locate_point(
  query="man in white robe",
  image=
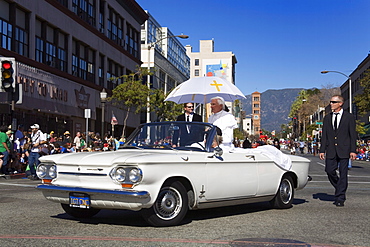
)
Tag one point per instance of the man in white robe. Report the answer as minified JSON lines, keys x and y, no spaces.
{"x":224,"y":120}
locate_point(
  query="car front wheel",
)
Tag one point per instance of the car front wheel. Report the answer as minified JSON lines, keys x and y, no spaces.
{"x":285,"y":194}
{"x":170,"y":207}
{"x":80,"y":212}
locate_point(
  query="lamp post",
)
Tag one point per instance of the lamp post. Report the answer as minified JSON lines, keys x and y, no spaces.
{"x":349,"y":86}
{"x":150,"y":46}
{"x":103,"y":98}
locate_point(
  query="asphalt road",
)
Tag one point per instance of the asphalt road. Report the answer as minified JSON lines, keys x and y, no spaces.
{"x":27,"y":219}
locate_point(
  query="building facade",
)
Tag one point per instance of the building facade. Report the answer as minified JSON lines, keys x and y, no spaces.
{"x":207,"y":62}
{"x":356,"y":89}
{"x":66,"y":52}
{"x":164,"y":55}
{"x":256,"y":112}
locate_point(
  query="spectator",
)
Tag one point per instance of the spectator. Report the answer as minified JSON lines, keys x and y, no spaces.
{"x":67,"y":138}
{"x":77,"y":141}
{"x":4,"y":149}
{"x":37,"y":140}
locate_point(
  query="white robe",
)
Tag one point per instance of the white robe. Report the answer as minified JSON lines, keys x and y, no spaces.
{"x":227,"y":123}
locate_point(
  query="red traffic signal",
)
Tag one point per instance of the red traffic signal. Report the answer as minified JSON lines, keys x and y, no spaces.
{"x":7,"y":74}
{"x":6,"y":65}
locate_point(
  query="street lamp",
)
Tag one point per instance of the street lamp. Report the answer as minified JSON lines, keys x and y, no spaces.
{"x":150,"y":46}
{"x":103,"y":98}
{"x":349,"y":86}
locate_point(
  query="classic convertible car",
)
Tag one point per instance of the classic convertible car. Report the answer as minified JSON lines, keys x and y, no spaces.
{"x":165,"y":169}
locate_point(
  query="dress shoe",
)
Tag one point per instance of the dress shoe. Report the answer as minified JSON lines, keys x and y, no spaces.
{"x":339,"y":203}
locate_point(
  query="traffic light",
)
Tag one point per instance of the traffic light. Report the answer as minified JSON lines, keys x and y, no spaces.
{"x":8,"y":81}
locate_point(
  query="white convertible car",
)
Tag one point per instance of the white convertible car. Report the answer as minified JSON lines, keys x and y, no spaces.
{"x":164,"y":169}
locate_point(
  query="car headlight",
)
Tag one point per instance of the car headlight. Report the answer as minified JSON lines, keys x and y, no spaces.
{"x":135,"y":175}
{"x":126,"y":175}
{"x":53,"y":171}
{"x":41,"y":171}
{"x":46,"y":171}
{"x":118,"y":174}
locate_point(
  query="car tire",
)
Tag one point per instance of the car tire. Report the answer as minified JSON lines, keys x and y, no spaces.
{"x":285,"y":194}
{"x":80,"y":212}
{"x":170,"y":206}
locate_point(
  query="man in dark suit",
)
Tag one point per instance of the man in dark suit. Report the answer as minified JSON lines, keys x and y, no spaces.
{"x":189,"y":115}
{"x":186,"y":133}
{"x":339,"y":143}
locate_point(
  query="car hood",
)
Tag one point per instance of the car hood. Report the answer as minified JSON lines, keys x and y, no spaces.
{"x":120,"y":156}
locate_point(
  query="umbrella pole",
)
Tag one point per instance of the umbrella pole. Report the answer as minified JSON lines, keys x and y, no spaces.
{"x":205,"y":110}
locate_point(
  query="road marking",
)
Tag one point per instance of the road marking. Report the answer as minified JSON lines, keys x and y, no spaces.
{"x":352,"y":176}
{"x":350,"y":182}
{"x":165,"y":240}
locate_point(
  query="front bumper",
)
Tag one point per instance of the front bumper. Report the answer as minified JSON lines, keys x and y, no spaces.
{"x":109,"y":199}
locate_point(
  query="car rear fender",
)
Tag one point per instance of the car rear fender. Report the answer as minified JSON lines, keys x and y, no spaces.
{"x":293,"y":176}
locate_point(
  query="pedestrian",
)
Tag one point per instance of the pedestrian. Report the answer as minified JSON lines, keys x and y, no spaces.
{"x":77,"y":141}
{"x":4,"y":149}
{"x":37,"y":140}
{"x":67,"y":138}
{"x":338,"y":145}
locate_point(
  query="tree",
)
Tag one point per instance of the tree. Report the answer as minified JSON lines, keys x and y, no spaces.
{"x":165,"y":110}
{"x":131,"y":95}
{"x":363,"y":100}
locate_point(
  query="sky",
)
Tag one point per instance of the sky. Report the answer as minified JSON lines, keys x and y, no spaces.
{"x":278,"y":43}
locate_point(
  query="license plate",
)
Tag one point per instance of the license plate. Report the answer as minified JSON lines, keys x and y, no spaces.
{"x":79,"y":200}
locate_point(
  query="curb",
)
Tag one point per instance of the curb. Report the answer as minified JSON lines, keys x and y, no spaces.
{"x":13,"y":176}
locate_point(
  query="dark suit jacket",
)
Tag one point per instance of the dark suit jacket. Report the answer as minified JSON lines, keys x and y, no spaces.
{"x":341,"y":142}
{"x":196,"y":117}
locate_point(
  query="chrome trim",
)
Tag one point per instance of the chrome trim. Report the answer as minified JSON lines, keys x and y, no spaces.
{"x":84,"y":174}
{"x":138,"y":194}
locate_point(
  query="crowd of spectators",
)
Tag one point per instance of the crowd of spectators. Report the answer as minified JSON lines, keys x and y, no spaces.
{"x":15,"y":160}
{"x":301,"y":147}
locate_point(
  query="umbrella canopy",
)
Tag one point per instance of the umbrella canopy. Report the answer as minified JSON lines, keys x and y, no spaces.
{"x":202,"y":89}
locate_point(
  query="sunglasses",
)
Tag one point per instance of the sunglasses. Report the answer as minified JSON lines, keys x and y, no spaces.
{"x":190,"y":107}
{"x":333,"y":102}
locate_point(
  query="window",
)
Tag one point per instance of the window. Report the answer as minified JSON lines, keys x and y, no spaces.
{"x":14,"y":31}
{"x":256,"y":98}
{"x":101,"y":70}
{"x":196,"y":72}
{"x":256,"y":105}
{"x":50,"y":47}
{"x":114,"y":74}
{"x":256,"y":112}
{"x":83,"y":61}
{"x":132,"y":41}
{"x":115,"y":27}
{"x":196,"y":62}
{"x":85,"y":9}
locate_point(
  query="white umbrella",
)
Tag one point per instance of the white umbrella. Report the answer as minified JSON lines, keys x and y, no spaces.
{"x":202,"y":89}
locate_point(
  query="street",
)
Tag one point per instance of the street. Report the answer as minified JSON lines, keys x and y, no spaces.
{"x":28,"y":219}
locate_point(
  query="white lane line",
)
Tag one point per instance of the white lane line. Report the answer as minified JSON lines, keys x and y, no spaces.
{"x":350,"y":182}
{"x":321,"y":164}
{"x":352,"y":176}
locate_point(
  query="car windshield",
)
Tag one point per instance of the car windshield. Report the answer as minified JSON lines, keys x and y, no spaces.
{"x":193,"y":136}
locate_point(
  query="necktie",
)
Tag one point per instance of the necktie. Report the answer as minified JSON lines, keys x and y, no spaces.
{"x":187,"y":118}
{"x":336,"y":121}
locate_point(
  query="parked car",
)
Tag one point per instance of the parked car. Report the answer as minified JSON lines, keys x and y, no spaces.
{"x":165,"y":169}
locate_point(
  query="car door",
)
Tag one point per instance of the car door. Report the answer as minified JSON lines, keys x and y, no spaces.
{"x":234,"y":175}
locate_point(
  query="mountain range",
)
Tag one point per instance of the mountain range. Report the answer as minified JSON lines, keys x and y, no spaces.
{"x":275,"y":107}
